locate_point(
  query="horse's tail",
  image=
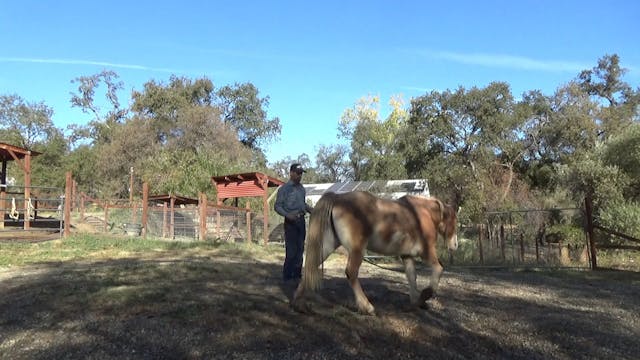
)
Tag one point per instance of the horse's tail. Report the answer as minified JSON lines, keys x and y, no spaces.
{"x":319,"y":223}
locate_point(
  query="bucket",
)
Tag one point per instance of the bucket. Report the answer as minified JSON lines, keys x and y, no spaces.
{"x":133,"y":229}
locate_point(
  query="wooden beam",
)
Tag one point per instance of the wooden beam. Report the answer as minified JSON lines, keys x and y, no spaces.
{"x":145,"y":208}
{"x":27,"y":191}
{"x":67,"y":205}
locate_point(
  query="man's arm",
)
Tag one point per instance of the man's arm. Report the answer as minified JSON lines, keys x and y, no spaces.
{"x":279,"y":205}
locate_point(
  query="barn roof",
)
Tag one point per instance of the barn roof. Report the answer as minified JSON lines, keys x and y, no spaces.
{"x":244,"y":184}
{"x":178,"y":200}
{"x":7,"y":152}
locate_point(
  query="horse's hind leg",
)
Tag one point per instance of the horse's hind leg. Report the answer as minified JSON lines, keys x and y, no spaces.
{"x":410,"y":271}
{"x":353,"y":266}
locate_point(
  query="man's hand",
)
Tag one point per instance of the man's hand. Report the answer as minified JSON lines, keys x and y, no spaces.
{"x":293,"y":216}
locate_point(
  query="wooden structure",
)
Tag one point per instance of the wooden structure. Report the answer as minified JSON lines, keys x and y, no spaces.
{"x":22,"y":157}
{"x":247,"y":185}
{"x":169,"y":203}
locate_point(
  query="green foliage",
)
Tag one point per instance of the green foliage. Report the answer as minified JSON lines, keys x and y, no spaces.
{"x":478,"y":147}
{"x":161,"y":105}
{"x":49,"y":168}
{"x":567,"y":233}
{"x":456,"y":137}
{"x":589,"y":175}
{"x":332,"y":163}
{"x":99,"y":130}
{"x":23,"y":123}
{"x":623,"y":152}
{"x":621,"y":216}
{"x":246,"y":111}
{"x":374,"y":142}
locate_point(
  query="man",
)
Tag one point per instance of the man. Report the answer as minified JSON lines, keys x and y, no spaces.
{"x":290,"y":203}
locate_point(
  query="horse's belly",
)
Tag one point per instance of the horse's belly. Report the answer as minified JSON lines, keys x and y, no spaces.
{"x":397,"y":243}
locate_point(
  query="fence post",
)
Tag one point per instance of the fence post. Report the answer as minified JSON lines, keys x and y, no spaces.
{"x":265,"y":218}
{"x":145,"y":208}
{"x":2,"y":204}
{"x":172,"y":225}
{"x":165,"y":214}
{"x":67,"y":205}
{"x":82,"y":200}
{"x":502,"y":243}
{"x":27,"y":191}
{"x":248,"y":214}
{"x":589,"y":213}
{"x":202,"y":207}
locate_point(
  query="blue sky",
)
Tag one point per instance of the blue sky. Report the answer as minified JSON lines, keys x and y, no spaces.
{"x":313,"y":59}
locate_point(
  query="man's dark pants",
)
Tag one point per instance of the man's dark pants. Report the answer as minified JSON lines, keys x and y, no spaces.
{"x":294,"y":233}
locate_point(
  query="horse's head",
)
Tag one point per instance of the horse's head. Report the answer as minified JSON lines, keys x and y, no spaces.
{"x":448,"y":227}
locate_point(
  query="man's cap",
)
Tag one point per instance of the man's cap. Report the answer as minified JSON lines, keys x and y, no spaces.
{"x":297,"y":168}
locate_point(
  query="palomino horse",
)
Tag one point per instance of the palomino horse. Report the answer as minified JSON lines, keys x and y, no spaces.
{"x":407,"y":227}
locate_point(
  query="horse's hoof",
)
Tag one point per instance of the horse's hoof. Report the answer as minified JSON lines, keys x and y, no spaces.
{"x":425,"y":295}
{"x":370,"y":311}
{"x":301,"y":307}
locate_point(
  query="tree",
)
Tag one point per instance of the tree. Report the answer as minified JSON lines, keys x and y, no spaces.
{"x":332,"y":163}
{"x":243,"y":109}
{"x":374,"y":142}
{"x":29,"y":125}
{"x":281,"y":168}
{"x":454,"y":138}
{"x":102,"y":125}
{"x":23,"y":123}
{"x":621,"y":108}
{"x":623,"y":152}
{"x":161,"y":104}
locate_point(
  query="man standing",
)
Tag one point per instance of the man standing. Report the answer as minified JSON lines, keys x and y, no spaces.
{"x":290,"y":203}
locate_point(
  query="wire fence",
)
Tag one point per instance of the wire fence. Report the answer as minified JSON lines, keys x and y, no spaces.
{"x":35,"y":209}
{"x":526,"y":238}
{"x":182,"y":222}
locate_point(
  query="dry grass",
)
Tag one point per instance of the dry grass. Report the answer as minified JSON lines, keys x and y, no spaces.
{"x":227,"y":301}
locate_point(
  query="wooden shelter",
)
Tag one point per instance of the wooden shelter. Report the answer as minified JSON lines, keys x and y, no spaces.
{"x":169,"y":203}
{"x":22,"y":157}
{"x":247,"y":185}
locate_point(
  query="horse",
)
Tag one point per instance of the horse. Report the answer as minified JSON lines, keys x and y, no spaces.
{"x":407,"y":227}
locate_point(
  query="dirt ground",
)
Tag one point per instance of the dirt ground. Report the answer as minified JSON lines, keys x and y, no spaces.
{"x":212,"y":305}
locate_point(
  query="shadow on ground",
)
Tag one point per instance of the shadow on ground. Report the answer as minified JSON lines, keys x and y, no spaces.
{"x":218,"y":306}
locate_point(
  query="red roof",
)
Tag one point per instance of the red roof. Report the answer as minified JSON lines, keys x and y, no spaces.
{"x":7,"y":151}
{"x":244,"y":185}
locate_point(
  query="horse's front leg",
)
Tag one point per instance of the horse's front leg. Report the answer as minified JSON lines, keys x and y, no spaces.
{"x":410,"y":271}
{"x":353,"y":266}
{"x":431,"y":259}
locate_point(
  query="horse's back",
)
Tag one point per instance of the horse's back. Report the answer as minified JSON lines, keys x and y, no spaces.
{"x":381,"y":225}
